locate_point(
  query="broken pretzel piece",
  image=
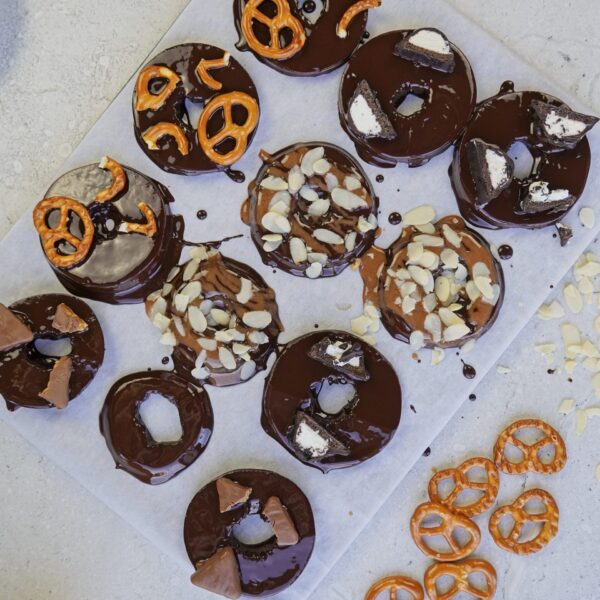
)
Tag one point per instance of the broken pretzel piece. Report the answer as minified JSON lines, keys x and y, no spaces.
{"x":118,"y":183}
{"x":145,"y":99}
{"x":205,"y":65}
{"x":352,"y":12}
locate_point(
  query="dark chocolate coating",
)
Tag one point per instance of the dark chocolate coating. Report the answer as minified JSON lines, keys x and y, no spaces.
{"x":449,"y":101}
{"x":265,"y":568}
{"x":121,"y":268}
{"x":503,"y":120}
{"x":365,"y":426}
{"x":130,"y":442}
{"x":184,"y":60}
{"x":24,"y":371}
{"x":323,"y":50}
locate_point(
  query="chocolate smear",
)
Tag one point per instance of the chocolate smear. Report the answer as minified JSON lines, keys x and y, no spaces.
{"x":313,"y":440}
{"x":219,"y":574}
{"x":67,"y":321}
{"x":57,"y":390}
{"x":13,"y":332}
{"x":368,"y":117}
{"x":427,"y":47}
{"x":492,"y":169}
{"x":540,"y":198}
{"x":343,"y":356}
{"x":565,"y":233}
{"x":281,"y":522}
{"x":231,"y":494}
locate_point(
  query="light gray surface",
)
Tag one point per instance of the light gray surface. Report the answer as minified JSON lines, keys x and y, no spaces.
{"x":47,"y":514}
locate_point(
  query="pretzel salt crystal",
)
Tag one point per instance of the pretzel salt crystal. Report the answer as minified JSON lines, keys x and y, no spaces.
{"x":205,"y":65}
{"x":156,"y":132}
{"x":461,"y":572}
{"x":145,"y":100}
{"x":353,"y":11}
{"x":393,"y":584}
{"x":119,"y":180}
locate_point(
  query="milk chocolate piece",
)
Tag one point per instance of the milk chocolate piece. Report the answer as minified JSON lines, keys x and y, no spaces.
{"x":13,"y":332}
{"x":540,"y":198}
{"x":344,"y":356}
{"x":219,"y":574}
{"x":313,"y":440}
{"x":66,"y":321}
{"x":491,"y":168}
{"x":559,"y":125}
{"x":376,"y":122}
{"x":231,"y":494}
{"x":281,"y":522}
{"x":565,"y":233}
{"x":427,"y":47}
{"x":57,"y":390}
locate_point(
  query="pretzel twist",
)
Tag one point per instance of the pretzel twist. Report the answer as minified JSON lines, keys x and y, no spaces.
{"x":353,"y":11}
{"x":459,"y":476}
{"x":153,"y":134}
{"x":145,"y":100}
{"x":205,"y":65}
{"x":393,"y":584}
{"x":461,"y":572}
{"x":230,"y":129}
{"x":549,"y":519}
{"x":149,"y":228}
{"x":531,"y":461}
{"x":284,"y":19}
{"x":52,"y":236}
{"x":445,"y":529}
{"x":119,"y":180}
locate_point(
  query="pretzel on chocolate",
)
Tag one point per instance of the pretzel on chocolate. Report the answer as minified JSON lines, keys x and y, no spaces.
{"x":52,"y":236}
{"x":284,"y":19}
{"x":393,"y":584}
{"x":118,"y":183}
{"x":205,"y":65}
{"x":146,"y":100}
{"x":149,"y":228}
{"x":460,"y":478}
{"x":353,"y":11}
{"x":531,"y":461}
{"x":449,"y":522}
{"x":461,"y":572}
{"x":520,"y":516}
{"x":156,"y":132}
{"x":231,"y":129}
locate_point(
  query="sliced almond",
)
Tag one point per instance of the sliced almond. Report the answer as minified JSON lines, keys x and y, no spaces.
{"x":360,"y":325}
{"x":554,"y":310}
{"x":437,"y":356}
{"x":319,"y":207}
{"x":419,"y":215}
{"x":348,"y":200}
{"x":350,"y":241}
{"x":220,"y":316}
{"x":352,"y":183}
{"x":191,"y":268}
{"x":451,"y":236}
{"x":417,"y":340}
{"x":296,"y":179}
{"x":587,"y":217}
{"x":328,"y":237}
{"x":456,"y":332}
{"x":257,"y":319}
{"x":309,"y":160}
{"x":314,"y":271}
{"x":566,"y":406}
{"x":192,"y":290}
{"x":274,"y":183}
{"x":332,"y":182}
{"x":573,"y":298}
{"x":168,"y":339}
{"x":442,"y":289}
{"x":227,"y":358}
{"x":318,"y":257}
{"x":365,"y":225}
{"x":196,"y":319}
{"x":308,"y":194}
{"x":161,"y":322}
{"x":433,"y":241}
{"x":245,"y":293}
{"x":322,"y":166}
{"x":275,"y":223}
{"x":248,"y":369}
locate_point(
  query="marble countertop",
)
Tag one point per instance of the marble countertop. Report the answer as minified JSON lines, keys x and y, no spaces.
{"x":61,"y":63}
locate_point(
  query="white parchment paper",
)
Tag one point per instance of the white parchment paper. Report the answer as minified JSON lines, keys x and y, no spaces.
{"x":291,"y":110}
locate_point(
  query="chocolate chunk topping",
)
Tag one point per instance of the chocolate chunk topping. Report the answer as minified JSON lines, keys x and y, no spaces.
{"x":539,"y":198}
{"x":219,"y":574}
{"x":368,"y":118}
{"x":13,"y":332}
{"x":559,"y":125}
{"x":231,"y":494}
{"x":565,"y":233}
{"x":427,"y":47}
{"x":281,"y":522}
{"x":491,"y":168}
{"x":343,"y":356}
{"x":313,"y":440}
{"x":66,"y":321}
{"x":57,"y":390}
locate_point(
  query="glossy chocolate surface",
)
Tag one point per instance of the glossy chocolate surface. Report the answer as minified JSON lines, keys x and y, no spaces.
{"x":128,"y":439}
{"x":303,"y":225}
{"x":24,"y":371}
{"x":364,"y":426}
{"x":121,"y":267}
{"x":449,"y":101}
{"x":265,"y":568}
{"x":503,"y":120}
{"x":184,"y":60}
{"x":323,"y":50}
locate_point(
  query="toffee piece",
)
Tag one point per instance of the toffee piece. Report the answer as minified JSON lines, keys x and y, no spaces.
{"x":29,"y":377}
{"x":260,"y":569}
{"x":292,"y":415}
{"x":382,"y":86}
{"x":312,"y":210}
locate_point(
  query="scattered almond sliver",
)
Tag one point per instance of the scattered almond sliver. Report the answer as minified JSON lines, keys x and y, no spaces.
{"x":554,"y":310}
{"x":566,"y":406}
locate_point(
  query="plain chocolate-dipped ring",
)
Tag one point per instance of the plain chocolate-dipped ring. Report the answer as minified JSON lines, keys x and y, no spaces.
{"x":503,"y":120}
{"x":448,"y":100}
{"x":213,"y":79}
{"x":311,"y":223}
{"x":264,"y":569}
{"x":128,"y":439}
{"x":126,"y":261}
{"x":291,"y":407}
{"x":219,"y":316}
{"x":25,"y":371}
{"x":323,"y":49}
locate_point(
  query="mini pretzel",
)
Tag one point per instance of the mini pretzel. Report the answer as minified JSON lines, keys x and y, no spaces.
{"x":118,"y":182}
{"x":230,"y":129}
{"x":450,"y":522}
{"x":459,"y":476}
{"x":156,"y":132}
{"x":284,"y":19}
{"x":149,"y":228}
{"x":516,"y":510}
{"x":52,"y":236}
{"x":531,"y":461}
{"x":393,"y":584}
{"x":353,"y":11}
{"x":205,"y":65}
{"x":145,"y":100}
{"x":461,"y":573}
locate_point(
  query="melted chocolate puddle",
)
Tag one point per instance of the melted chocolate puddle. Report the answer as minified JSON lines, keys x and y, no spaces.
{"x":468,"y":370}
